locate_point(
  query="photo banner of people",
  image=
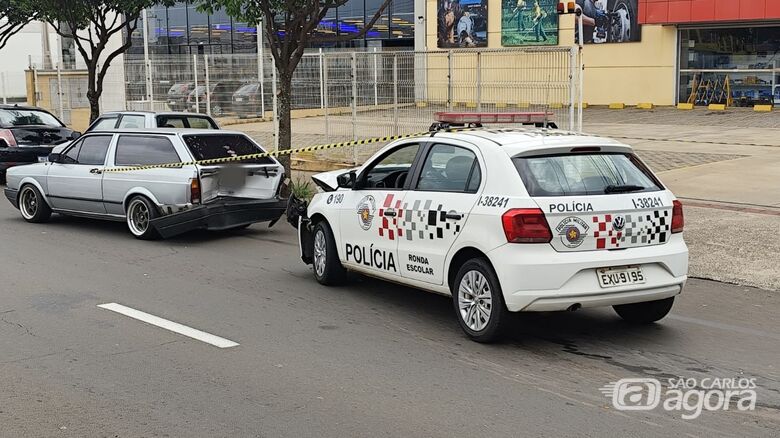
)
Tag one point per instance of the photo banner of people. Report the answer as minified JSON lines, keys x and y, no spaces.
{"x":609,"y":21}
{"x":462,"y":23}
{"x":529,"y":22}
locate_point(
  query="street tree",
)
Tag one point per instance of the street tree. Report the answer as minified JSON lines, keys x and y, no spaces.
{"x":91,"y":24}
{"x":290,"y":26}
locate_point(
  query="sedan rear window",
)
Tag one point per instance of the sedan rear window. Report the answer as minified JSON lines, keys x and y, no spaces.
{"x":207,"y":147}
{"x":585,"y":174}
{"x":26,"y":117}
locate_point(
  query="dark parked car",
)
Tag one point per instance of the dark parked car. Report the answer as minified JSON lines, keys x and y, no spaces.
{"x":177,"y":95}
{"x":28,"y":134}
{"x":220,"y":95}
{"x":248,"y":99}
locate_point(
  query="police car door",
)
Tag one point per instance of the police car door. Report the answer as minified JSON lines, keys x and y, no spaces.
{"x":368,"y":214}
{"x":436,"y":208}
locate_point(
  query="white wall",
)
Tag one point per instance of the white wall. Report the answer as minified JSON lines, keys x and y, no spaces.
{"x":15,"y":57}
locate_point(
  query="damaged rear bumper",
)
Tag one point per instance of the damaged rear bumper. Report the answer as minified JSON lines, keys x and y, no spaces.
{"x":221,"y":214}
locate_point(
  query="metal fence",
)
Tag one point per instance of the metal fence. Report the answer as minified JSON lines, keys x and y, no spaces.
{"x":337,"y":95}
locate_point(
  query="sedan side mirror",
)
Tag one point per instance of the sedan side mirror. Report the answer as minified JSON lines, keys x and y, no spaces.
{"x":75,"y":135}
{"x":54,"y":157}
{"x":346,"y":180}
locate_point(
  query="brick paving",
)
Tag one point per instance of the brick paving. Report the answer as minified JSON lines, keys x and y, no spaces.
{"x":661,"y":161}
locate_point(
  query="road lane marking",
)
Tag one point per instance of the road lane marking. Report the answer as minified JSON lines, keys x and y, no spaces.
{"x":169,"y":325}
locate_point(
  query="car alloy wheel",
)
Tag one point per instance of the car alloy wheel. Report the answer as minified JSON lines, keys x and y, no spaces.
{"x":320,"y":252}
{"x":475,"y":300}
{"x":28,"y":203}
{"x":138,"y":217}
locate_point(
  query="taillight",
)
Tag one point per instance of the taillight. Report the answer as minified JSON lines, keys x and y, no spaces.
{"x":678,"y":220}
{"x":195,"y":191}
{"x":8,"y":136}
{"x":526,"y":225}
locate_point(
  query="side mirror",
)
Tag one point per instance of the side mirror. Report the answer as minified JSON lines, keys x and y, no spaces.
{"x":346,"y":180}
{"x":54,"y":157}
{"x":75,"y":135}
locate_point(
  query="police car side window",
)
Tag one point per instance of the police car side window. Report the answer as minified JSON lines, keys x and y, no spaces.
{"x":449,"y":168}
{"x":391,"y":171}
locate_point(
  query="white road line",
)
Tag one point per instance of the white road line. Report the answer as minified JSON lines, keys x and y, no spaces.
{"x":170,"y":325}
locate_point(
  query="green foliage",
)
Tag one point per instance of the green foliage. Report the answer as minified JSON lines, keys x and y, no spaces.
{"x":302,"y":189}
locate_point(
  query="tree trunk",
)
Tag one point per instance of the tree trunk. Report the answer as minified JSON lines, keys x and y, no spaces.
{"x":284,"y":107}
{"x":93,"y":94}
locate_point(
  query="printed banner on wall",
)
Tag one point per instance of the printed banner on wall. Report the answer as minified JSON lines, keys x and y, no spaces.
{"x":462,"y":23}
{"x":529,"y":22}
{"x":609,"y":21}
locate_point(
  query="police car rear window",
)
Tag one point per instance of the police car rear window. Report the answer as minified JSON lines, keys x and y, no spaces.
{"x":585,"y":174}
{"x":207,"y":147}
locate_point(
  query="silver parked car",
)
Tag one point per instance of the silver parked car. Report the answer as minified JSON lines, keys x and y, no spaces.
{"x":157,"y":201}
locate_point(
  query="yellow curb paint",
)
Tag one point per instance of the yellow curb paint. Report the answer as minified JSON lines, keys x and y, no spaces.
{"x":523,"y":105}
{"x":617,"y":105}
{"x":645,"y":105}
{"x":685,"y":106}
{"x":471,"y":105}
{"x":716,"y":107}
{"x":421,"y":104}
{"x":762,"y":108}
{"x":500,"y":104}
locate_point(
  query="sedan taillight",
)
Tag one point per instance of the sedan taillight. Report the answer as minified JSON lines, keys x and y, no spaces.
{"x":526,"y":225}
{"x":195,"y":191}
{"x":7,"y":136}
{"x":678,"y":219}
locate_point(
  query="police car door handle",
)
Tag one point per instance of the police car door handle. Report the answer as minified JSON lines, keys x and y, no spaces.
{"x":95,"y":171}
{"x":454,"y":215}
{"x":390,"y":212}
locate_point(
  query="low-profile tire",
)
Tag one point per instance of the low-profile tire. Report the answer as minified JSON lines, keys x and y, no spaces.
{"x":645,"y":312}
{"x":32,"y":205}
{"x":139,"y":214}
{"x":479,"y":301}
{"x":328,"y":269}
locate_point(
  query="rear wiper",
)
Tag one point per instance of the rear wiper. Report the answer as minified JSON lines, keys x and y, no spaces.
{"x":623,"y":189}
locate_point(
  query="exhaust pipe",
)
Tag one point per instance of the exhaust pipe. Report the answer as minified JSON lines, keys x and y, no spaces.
{"x":574,"y":307}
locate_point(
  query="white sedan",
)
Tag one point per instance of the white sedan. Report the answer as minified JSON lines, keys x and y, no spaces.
{"x":504,"y":221}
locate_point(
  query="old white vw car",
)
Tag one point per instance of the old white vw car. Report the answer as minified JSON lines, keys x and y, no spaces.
{"x":93,"y":177}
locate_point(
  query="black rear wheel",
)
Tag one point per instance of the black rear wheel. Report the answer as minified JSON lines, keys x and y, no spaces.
{"x":646,"y":312}
{"x":32,"y":205}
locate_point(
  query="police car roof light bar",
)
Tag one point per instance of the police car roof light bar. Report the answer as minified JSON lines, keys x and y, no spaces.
{"x":537,"y":118}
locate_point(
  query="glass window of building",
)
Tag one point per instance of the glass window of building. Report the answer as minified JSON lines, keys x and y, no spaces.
{"x":742,"y":64}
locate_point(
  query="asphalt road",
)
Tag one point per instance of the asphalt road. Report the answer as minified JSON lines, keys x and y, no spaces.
{"x":367,"y":359}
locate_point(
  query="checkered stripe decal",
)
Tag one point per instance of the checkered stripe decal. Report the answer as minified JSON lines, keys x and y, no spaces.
{"x":419,"y":222}
{"x":649,"y":228}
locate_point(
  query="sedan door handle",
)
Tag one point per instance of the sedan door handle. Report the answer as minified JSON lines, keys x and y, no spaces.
{"x":454,"y":215}
{"x":95,"y":171}
{"x":390,"y":212}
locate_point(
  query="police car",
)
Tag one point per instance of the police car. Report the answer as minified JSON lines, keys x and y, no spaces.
{"x":504,"y":220}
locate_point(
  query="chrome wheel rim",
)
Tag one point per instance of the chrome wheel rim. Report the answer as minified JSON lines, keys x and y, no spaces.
{"x":475,"y":300}
{"x":320,"y":252}
{"x":28,"y":203}
{"x":138,"y":217}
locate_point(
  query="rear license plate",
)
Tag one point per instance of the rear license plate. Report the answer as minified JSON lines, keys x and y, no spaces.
{"x":43,"y":159}
{"x":613,"y":277}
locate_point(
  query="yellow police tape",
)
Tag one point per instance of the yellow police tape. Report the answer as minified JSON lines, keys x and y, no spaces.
{"x":318,"y":147}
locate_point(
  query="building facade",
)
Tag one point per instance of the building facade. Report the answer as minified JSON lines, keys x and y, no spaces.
{"x":656,"y":51}
{"x":182,"y":29}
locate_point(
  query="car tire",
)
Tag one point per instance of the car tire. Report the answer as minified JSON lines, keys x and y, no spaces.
{"x":328,"y":269}
{"x":139,"y":214}
{"x":482,"y":316}
{"x":32,"y":205}
{"x":645,"y":312}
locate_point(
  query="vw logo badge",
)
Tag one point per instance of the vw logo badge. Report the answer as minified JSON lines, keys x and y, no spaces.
{"x":618,"y":223}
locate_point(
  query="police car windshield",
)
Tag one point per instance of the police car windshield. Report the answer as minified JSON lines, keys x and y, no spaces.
{"x":585,"y":174}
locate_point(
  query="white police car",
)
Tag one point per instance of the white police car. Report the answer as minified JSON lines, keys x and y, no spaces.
{"x":504,"y":220}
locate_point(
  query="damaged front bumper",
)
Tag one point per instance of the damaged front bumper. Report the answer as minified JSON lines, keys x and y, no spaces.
{"x":220,"y":214}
